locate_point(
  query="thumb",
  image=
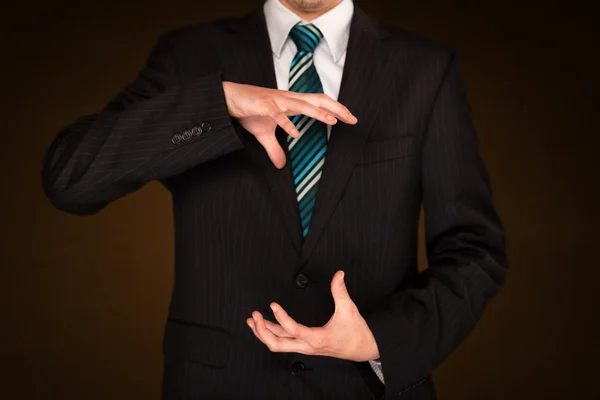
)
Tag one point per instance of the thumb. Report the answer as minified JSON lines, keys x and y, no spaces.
{"x":274,"y":150}
{"x":338,"y":289}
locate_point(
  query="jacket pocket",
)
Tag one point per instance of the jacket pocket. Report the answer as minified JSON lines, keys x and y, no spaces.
{"x":204,"y":344}
{"x":389,"y":149}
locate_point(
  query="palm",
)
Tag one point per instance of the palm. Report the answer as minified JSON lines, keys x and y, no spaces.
{"x":346,"y":335}
{"x":259,"y":126}
{"x":343,"y":325}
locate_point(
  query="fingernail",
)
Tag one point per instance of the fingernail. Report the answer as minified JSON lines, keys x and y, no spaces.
{"x":249,"y":324}
{"x":353,"y":118}
{"x":273,"y":308}
{"x":255,"y":319}
{"x":330,"y":118}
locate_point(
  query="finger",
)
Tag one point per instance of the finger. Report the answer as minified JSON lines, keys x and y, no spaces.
{"x":252,"y":326}
{"x":330,"y":105}
{"x":265,"y":335}
{"x":338,"y":286}
{"x":335,"y":107}
{"x":340,"y":294}
{"x":279,"y":344}
{"x":284,"y":122}
{"x":295,"y":329}
{"x":274,"y":150}
{"x":297,"y":107}
{"x":280,"y":118}
{"x":345,"y":119}
{"x":277,"y":329}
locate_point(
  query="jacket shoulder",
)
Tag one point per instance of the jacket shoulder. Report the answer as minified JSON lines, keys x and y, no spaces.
{"x":195,"y":47}
{"x":419,"y":43}
{"x":199,"y":33}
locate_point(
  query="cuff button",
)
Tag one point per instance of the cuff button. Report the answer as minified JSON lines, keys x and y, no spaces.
{"x":196,"y":131}
{"x":187,"y":135}
{"x":176,"y":139}
{"x":206,"y":127}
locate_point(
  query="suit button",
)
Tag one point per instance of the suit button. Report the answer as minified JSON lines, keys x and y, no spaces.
{"x":196,"y":131}
{"x":176,"y":139}
{"x":206,"y":127}
{"x":301,"y":280}
{"x":187,"y":135}
{"x":298,"y":368}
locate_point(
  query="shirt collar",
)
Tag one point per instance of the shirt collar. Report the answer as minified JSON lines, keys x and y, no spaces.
{"x":334,"y":24}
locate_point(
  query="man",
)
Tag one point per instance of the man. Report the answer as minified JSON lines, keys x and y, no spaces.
{"x":299,"y":143}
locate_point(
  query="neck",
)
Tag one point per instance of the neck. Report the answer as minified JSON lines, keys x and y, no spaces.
{"x":309,"y":15}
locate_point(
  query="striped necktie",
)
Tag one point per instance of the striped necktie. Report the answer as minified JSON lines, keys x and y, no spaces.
{"x":307,"y":152}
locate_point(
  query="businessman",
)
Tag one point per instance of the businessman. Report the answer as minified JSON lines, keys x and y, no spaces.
{"x":299,"y":143}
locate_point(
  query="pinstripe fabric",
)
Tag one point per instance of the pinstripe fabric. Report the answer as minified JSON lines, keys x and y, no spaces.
{"x":307,"y":152}
{"x":238,"y":242}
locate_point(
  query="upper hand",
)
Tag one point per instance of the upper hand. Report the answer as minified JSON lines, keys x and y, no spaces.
{"x":260,"y":110}
{"x":346,"y":335}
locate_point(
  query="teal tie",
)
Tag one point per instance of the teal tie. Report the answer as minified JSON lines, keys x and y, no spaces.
{"x":307,"y":152}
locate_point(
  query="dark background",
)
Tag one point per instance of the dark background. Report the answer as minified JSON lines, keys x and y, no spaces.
{"x":84,"y":299}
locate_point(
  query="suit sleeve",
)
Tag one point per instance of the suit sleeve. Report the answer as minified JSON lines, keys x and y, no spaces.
{"x":418,"y":326}
{"x":156,"y":127}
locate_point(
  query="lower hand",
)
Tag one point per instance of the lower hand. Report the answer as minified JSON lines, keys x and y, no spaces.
{"x":260,"y":110}
{"x":346,"y":335}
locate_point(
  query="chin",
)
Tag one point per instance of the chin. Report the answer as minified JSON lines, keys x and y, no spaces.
{"x":310,"y":5}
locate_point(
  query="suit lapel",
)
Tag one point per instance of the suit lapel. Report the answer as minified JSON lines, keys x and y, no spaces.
{"x":364,"y":80}
{"x":254,"y":48}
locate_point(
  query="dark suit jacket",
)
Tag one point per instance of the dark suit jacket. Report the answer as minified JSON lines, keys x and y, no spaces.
{"x":238,"y":240}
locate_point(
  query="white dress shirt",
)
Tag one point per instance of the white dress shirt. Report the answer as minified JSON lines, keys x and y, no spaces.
{"x":329,"y":55}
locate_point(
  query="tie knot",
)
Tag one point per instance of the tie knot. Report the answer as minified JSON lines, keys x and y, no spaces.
{"x":306,"y":37}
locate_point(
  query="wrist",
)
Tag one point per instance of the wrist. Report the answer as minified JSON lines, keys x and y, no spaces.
{"x":375,"y":354}
{"x":228,"y":88}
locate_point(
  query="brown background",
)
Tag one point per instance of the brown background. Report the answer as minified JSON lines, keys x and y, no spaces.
{"x":84,"y":299}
